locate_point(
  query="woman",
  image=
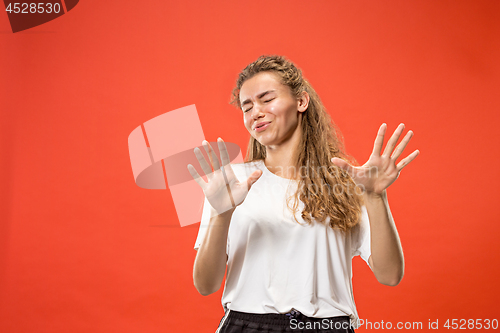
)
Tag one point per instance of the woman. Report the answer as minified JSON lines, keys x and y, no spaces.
{"x":289,"y":266}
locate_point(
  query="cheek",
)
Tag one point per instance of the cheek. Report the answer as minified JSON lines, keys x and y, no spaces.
{"x":279,"y":109}
{"x":246,"y":121}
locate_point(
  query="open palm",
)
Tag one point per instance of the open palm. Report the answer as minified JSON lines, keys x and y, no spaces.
{"x":381,"y":170}
{"x":223,"y":190}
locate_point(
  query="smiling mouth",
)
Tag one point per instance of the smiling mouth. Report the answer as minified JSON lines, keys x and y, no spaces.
{"x":265,"y":124}
{"x":262,"y":127}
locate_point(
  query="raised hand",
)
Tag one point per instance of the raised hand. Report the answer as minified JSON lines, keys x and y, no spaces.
{"x":223,"y":190}
{"x":381,"y":169}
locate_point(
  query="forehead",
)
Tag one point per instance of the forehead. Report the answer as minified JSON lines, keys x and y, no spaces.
{"x":259,"y":83}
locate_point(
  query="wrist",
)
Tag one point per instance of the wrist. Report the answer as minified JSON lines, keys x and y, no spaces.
{"x":227,"y":213}
{"x":373,"y":196}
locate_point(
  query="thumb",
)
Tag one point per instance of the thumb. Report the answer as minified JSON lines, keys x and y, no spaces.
{"x":343,"y":165}
{"x":253,"y":178}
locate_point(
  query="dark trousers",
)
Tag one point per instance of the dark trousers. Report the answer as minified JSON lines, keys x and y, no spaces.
{"x":294,"y":321}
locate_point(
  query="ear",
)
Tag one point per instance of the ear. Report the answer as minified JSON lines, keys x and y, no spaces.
{"x":303,"y":102}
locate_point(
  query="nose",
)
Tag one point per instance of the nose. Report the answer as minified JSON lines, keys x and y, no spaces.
{"x":257,"y":112}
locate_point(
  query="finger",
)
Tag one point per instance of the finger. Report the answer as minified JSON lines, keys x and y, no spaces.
{"x":203,"y":162}
{"x":205,"y":146}
{"x":405,"y":161}
{"x":343,"y":165}
{"x":227,"y":186}
{"x":402,"y":145}
{"x":379,"y":140}
{"x":393,"y":140}
{"x":196,"y":176}
{"x":224,"y":156}
{"x":214,"y":161}
{"x":253,"y":178}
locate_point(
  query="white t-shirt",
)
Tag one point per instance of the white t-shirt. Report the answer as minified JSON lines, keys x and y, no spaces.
{"x":275,"y":264}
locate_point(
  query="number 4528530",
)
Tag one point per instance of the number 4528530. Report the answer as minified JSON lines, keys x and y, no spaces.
{"x":463,"y":324}
{"x":32,"y":8}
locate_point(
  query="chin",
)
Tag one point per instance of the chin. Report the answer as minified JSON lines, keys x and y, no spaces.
{"x":265,"y":141}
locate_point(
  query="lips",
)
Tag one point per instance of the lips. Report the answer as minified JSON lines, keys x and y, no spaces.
{"x":261,"y":124}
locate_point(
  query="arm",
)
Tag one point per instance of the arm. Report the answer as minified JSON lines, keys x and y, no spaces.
{"x":386,"y":260}
{"x":210,"y":263}
{"x":224,"y":193}
{"x":374,"y":177}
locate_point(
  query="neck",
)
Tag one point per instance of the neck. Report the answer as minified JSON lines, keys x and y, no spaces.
{"x":281,"y":159}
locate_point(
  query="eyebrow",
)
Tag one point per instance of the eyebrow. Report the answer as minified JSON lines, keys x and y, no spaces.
{"x":258,"y":96}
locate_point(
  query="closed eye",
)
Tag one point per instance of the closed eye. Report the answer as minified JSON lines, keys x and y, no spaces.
{"x":245,"y":111}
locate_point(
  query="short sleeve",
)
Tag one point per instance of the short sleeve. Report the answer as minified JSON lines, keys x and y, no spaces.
{"x":361,"y":237}
{"x":205,"y":221}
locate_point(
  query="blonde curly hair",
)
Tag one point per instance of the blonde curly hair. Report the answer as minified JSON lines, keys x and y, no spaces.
{"x":325,"y":191}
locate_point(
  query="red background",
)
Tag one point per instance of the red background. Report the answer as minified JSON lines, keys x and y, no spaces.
{"x":83,"y":249}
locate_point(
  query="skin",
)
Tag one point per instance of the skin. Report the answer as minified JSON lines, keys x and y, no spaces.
{"x":375,"y":176}
{"x":281,"y":138}
{"x":283,"y":110}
